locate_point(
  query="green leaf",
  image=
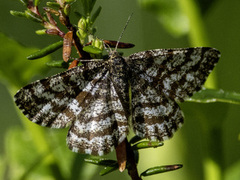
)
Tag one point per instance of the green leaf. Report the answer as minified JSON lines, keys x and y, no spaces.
{"x":18,"y":13}
{"x":110,"y":165}
{"x":69,"y":1}
{"x":212,"y":95}
{"x":109,"y":169}
{"x":53,"y":4}
{"x":32,"y":16}
{"x":92,"y":49}
{"x":96,"y":14}
{"x":146,"y":144}
{"x":58,"y":64}
{"x":88,"y":6}
{"x":135,"y":139}
{"x":160,"y":169}
{"x":46,"y":51}
{"x":101,"y":161}
{"x":78,"y":14}
{"x":24,"y":2}
{"x":67,"y":9}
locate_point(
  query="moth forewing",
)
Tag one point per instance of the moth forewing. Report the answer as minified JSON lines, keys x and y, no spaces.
{"x":94,"y":98}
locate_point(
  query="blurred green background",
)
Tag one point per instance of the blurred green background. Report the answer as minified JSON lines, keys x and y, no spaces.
{"x":208,"y":145}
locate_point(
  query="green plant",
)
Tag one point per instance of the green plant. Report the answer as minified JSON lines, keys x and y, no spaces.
{"x":83,"y":32}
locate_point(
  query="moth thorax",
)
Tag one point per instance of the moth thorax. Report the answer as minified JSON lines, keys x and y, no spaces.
{"x":117,"y":65}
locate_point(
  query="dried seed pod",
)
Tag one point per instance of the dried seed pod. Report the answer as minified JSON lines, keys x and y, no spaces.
{"x":67,"y":45}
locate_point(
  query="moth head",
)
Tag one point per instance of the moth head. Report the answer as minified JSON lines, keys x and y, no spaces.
{"x":113,"y":54}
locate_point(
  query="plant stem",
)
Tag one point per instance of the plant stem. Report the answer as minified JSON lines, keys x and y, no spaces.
{"x":197,"y":32}
{"x":131,"y":166}
{"x":198,"y":37}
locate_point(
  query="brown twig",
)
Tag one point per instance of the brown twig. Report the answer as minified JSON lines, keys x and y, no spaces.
{"x":76,"y":42}
{"x":125,"y":154}
{"x":54,"y":30}
{"x":66,"y":21}
{"x":131,"y":163}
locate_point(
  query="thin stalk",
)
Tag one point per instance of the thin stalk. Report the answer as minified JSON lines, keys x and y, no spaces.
{"x":197,"y":32}
{"x":198,"y":37}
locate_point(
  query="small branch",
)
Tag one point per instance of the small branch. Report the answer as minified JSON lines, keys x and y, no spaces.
{"x":82,"y":54}
{"x":66,"y":21}
{"x":131,"y":164}
{"x":125,"y":154}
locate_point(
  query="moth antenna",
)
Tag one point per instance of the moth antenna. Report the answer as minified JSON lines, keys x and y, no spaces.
{"x":107,"y":47}
{"x":129,"y":17}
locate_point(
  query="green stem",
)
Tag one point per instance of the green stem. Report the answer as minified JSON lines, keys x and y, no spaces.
{"x":197,"y":32}
{"x":198,"y":37}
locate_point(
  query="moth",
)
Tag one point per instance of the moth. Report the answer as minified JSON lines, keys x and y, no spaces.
{"x":101,"y":100}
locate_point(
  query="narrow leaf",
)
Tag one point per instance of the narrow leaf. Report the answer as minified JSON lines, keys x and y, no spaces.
{"x":45,"y":51}
{"x":32,"y":16}
{"x":88,"y":6}
{"x":160,"y":169}
{"x":18,"y":13}
{"x":101,"y":161}
{"x":67,"y":9}
{"x":58,"y":64}
{"x":69,"y":1}
{"x":212,"y":95}
{"x":96,"y":14}
{"x":135,"y":139}
{"x":24,"y":2}
{"x":92,"y":49}
{"x":108,"y":169}
{"x":53,"y":4}
{"x":146,"y":144}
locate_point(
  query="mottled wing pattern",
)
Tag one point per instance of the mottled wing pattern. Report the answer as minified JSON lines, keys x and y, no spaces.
{"x":155,"y":116}
{"x":52,"y":101}
{"x":178,"y":73}
{"x":102,"y":124}
{"x":160,"y":78}
{"x":94,"y":97}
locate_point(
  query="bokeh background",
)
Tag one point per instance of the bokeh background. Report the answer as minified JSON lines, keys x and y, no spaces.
{"x":208,"y":145}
